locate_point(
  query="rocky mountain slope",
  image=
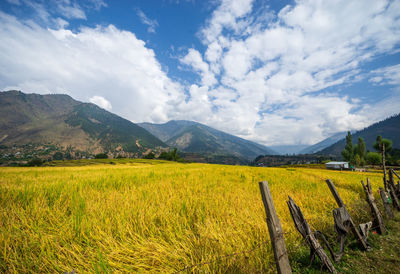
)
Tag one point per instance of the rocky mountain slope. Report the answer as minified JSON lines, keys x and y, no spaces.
{"x":192,"y":137}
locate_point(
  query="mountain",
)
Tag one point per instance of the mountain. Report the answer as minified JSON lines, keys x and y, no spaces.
{"x":324,"y":143}
{"x":288,"y":149}
{"x":60,"y":120}
{"x":192,"y":137}
{"x":388,"y":128}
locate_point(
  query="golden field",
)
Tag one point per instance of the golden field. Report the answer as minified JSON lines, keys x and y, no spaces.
{"x":156,"y":216}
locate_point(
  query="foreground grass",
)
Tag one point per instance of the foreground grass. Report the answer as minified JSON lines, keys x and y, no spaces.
{"x":160,"y":216}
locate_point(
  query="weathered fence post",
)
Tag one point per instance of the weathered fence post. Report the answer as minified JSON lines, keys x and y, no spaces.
{"x":384,"y":167}
{"x":391,"y":187}
{"x":305,"y":230}
{"x":394,"y":172}
{"x":378,"y":221}
{"x":386,"y":204}
{"x":353,"y":227}
{"x":391,"y":178}
{"x":275,"y":231}
{"x":397,"y":187}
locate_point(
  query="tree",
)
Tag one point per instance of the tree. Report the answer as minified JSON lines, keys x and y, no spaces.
{"x":361,"y":147}
{"x":68,"y":156}
{"x":149,"y":156}
{"x":170,"y":156}
{"x":374,"y":158}
{"x":378,"y":144}
{"x":101,"y":156}
{"x":348,"y":152}
{"x":357,"y":160}
{"x":359,"y":152}
{"x":58,"y":156}
{"x":175,"y":155}
{"x":35,"y":162}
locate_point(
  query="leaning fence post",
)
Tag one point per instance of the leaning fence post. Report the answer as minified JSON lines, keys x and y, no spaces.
{"x":394,"y":172}
{"x":391,"y":187}
{"x":310,"y":237}
{"x":353,"y":227}
{"x":378,"y":221}
{"x":386,"y":203}
{"x":384,"y":167}
{"x":275,"y":231}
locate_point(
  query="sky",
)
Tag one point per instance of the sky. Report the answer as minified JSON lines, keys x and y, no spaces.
{"x":270,"y":71}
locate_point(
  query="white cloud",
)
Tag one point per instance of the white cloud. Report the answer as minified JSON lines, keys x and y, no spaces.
{"x":382,"y":109}
{"x":101,"y":102}
{"x":386,"y":75}
{"x":14,"y":2}
{"x":194,"y":59}
{"x":48,"y":13}
{"x":225,"y":16}
{"x":39,"y":9}
{"x":271,"y":76}
{"x":262,"y":75}
{"x":147,"y":21}
{"x":71,"y":10}
{"x":101,"y":61}
{"x":98,"y":4}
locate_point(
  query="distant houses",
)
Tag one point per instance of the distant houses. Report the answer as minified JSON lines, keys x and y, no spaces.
{"x":337,"y":165}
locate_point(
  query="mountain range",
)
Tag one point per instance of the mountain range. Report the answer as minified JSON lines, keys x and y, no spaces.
{"x":194,"y":137}
{"x":388,"y":128}
{"x":59,"y":120}
{"x":323,"y":144}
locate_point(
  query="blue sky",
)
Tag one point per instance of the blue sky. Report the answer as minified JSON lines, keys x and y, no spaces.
{"x":275,"y":72}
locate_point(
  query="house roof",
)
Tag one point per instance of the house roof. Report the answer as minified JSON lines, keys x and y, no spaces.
{"x":337,"y":163}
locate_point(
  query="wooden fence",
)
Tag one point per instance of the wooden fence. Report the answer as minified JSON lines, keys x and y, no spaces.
{"x":316,"y":240}
{"x":343,"y":223}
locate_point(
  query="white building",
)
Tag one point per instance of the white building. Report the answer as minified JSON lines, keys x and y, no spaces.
{"x":337,"y":165}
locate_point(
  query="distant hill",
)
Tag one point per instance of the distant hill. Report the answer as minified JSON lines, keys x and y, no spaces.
{"x":59,"y":119}
{"x":388,"y":128}
{"x":192,"y":137}
{"x":324,"y":143}
{"x":288,"y":149}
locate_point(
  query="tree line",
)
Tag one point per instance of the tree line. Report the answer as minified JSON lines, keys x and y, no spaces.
{"x":358,"y":155}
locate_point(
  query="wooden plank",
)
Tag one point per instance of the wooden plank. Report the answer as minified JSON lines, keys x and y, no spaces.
{"x":353,"y":227}
{"x":386,"y":204}
{"x":305,"y":230}
{"x":378,"y":220}
{"x":342,"y":227}
{"x":392,"y":182}
{"x":396,"y":174}
{"x":391,"y":178}
{"x":384,"y":167}
{"x":275,"y":231}
{"x":335,"y":193}
{"x":392,"y":188}
{"x":395,"y":200}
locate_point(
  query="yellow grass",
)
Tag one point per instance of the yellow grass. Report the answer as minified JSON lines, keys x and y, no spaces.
{"x":157,"y":216}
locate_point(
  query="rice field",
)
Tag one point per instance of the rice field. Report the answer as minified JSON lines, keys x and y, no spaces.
{"x":156,"y":216}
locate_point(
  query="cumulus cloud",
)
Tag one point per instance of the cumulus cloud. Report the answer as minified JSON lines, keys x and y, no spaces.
{"x":275,"y":78}
{"x":227,"y":15}
{"x":271,"y":78}
{"x":195,"y":61}
{"x":100,"y":61}
{"x":101,"y":102}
